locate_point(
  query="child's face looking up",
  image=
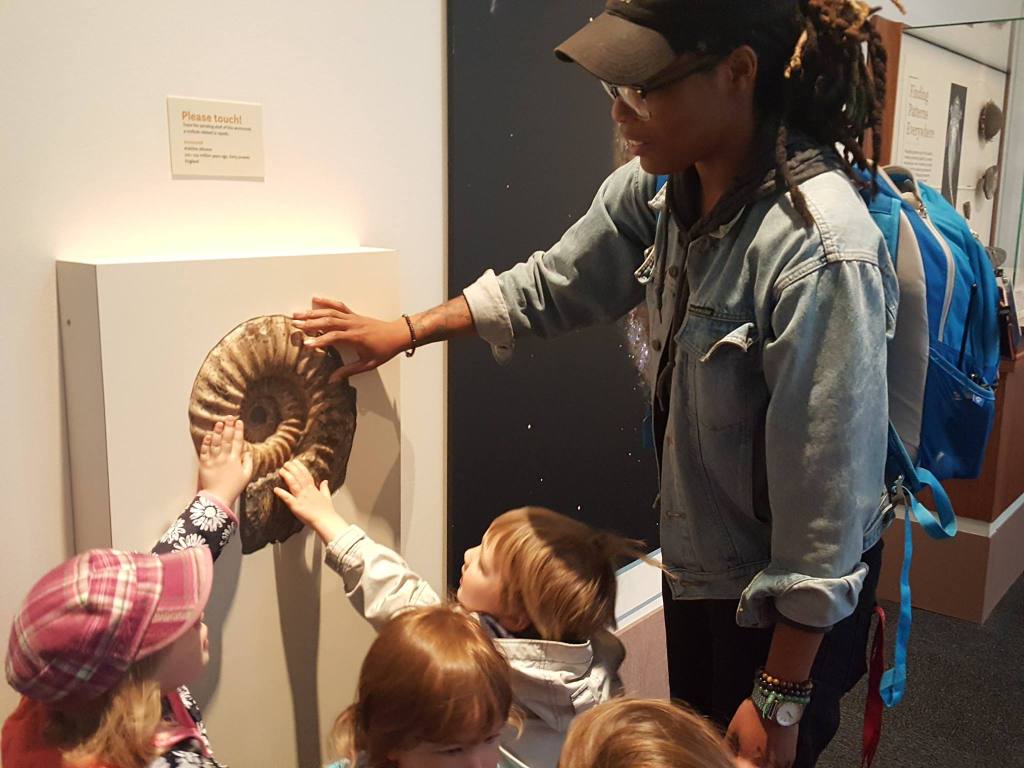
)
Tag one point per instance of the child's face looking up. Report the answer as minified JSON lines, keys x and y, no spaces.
{"x":184,"y":659}
{"x":480,"y":584}
{"x":480,"y":588}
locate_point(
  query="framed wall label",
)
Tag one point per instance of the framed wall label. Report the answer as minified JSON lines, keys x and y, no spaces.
{"x":215,"y":139}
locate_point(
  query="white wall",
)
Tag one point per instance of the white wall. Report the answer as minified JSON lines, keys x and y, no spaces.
{"x":353,"y":96}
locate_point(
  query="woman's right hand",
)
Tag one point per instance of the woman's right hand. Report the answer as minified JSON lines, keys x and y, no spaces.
{"x":331,"y":323}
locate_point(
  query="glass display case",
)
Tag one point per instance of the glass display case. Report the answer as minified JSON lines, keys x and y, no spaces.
{"x":958,"y":121}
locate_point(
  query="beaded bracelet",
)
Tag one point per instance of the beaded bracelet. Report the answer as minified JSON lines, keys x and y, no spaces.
{"x":412,"y":335}
{"x":784,"y":687}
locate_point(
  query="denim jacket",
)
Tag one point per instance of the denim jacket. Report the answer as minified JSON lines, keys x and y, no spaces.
{"x":773,"y":440}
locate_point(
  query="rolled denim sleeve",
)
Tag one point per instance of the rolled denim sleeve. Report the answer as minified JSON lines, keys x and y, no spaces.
{"x":825,"y":439}
{"x":585,"y":279}
{"x":491,"y":317}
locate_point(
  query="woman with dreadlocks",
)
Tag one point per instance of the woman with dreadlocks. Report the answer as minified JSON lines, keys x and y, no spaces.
{"x":770,"y":299}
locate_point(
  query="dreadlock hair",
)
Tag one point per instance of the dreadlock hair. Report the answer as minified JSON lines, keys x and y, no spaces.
{"x":822,"y":72}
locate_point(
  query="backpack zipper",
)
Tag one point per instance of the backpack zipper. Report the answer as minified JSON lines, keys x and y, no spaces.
{"x":950,"y":263}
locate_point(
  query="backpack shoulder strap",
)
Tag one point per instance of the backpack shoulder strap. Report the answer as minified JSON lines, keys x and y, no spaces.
{"x":884,"y":208}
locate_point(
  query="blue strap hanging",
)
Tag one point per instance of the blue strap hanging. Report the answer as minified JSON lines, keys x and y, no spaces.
{"x":904,"y":481}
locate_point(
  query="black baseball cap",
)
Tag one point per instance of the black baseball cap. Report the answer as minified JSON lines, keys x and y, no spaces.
{"x":632,"y":41}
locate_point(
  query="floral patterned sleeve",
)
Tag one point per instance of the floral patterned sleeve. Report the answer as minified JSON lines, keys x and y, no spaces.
{"x":181,"y":758}
{"x":193,"y":751}
{"x":207,"y":521}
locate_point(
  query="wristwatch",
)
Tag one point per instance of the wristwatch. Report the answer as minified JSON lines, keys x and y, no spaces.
{"x":780,"y":701}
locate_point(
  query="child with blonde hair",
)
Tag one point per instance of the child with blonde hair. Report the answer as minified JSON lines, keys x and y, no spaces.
{"x":105,"y":643}
{"x":433,"y":692}
{"x":644,"y":733}
{"x":541,"y":584}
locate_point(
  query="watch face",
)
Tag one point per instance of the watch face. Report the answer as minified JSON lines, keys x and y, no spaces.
{"x":789,"y":713}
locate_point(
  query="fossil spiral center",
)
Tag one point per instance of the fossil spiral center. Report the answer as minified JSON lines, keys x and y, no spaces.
{"x":268,"y":402}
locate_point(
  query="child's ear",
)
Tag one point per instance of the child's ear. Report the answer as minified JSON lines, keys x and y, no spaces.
{"x":516,"y":622}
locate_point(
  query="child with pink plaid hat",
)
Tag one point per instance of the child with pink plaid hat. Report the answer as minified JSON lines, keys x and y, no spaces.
{"x":105,"y":642}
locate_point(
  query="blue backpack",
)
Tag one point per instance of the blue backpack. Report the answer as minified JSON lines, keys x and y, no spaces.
{"x":945,"y":358}
{"x":943,"y":366}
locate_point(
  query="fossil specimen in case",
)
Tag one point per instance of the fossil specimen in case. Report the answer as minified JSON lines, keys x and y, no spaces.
{"x":262,"y":373}
{"x":991,"y":121}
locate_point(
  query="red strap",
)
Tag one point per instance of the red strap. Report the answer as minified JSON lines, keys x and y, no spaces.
{"x":873,"y":707}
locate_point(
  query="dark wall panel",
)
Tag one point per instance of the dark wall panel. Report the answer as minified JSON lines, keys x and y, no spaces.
{"x":530,"y":140}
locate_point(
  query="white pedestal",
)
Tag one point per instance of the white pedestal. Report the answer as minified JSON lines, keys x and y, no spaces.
{"x":133,"y":337}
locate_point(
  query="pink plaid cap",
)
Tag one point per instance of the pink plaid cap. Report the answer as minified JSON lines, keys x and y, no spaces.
{"x":89,"y":619}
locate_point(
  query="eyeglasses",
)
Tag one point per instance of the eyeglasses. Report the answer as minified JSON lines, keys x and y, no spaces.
{"x":635,"y":96}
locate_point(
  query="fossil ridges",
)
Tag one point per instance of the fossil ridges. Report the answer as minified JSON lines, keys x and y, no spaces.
{"x":262,"y":373}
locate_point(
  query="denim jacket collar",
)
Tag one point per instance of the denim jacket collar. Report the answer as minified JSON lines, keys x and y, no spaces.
{"x":807,"y":159}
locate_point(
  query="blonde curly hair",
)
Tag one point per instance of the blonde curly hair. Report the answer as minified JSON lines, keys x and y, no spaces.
{"x":116,"y":729}
{"x":559,"y":572}
{"x":643,"y":733}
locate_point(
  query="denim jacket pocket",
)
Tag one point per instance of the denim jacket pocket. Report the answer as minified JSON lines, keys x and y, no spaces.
{"x":741,"y":338}
{"x":708,"y":520}
{"x":726,"y":369}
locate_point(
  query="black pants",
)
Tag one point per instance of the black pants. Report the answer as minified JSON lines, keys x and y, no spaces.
{"x":712,"y":661}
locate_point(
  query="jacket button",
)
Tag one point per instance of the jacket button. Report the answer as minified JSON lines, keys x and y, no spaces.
{"x":656,"y":345}
{"x":673,"y":271}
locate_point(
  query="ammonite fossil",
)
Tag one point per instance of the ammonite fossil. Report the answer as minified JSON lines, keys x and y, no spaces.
{"x":262,"y":373}
{"x":991,"y":121}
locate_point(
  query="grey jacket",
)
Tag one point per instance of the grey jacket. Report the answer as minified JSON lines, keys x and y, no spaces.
{"x":772,"y":396}
{"x":552,"y":682}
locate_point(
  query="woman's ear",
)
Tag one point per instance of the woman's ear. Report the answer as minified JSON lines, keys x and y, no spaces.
{"x":742,"y":67}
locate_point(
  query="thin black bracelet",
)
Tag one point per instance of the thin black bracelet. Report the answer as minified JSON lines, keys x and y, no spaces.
{"x":412,"y":335}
